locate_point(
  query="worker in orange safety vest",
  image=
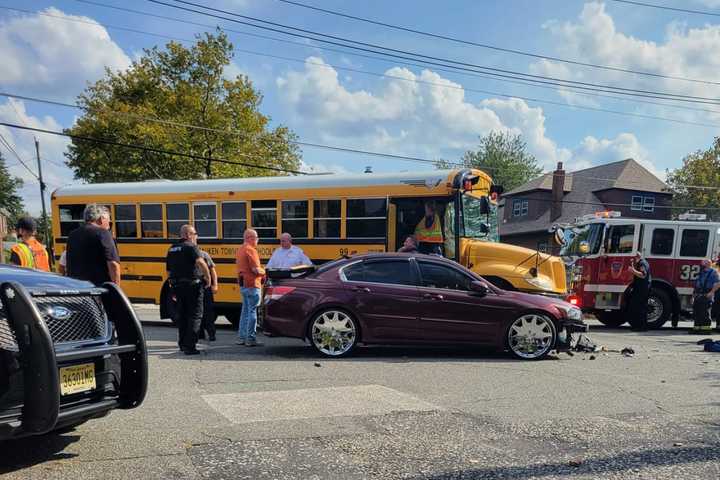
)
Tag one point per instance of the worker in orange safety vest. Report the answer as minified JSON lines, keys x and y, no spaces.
{"x":428,"y":232}
{"x":28,"y":252}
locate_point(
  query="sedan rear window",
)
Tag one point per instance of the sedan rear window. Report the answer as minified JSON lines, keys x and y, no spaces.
{"x":395,"y":272}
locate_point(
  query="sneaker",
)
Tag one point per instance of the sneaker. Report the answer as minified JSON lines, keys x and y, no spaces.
{"x":240,"y":341}
{"x":254,"y":343}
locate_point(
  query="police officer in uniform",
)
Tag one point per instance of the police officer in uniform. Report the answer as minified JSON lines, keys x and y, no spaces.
{"x":638,"y":304}
{"x":188,"y":273}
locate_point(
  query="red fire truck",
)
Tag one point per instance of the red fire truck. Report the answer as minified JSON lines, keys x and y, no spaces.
{"x":598,"y":250}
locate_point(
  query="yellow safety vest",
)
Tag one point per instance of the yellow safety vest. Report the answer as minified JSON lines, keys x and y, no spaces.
{"x":23,"y":252}
{"x":429,"y":235}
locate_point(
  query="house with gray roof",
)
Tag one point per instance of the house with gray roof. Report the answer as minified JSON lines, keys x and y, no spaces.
{"x":528,"y":212}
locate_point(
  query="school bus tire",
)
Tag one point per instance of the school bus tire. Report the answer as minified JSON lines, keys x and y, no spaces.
{"x":233,"y":316}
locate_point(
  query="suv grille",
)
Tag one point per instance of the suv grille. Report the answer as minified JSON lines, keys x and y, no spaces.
{"x":85,"y":318}
{"x":7,"y":337}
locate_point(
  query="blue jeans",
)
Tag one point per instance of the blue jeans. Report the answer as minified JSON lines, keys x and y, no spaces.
{"x":248,"y":315}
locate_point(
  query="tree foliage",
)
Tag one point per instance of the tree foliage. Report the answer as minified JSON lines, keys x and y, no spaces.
{"x":700,"y":168}
{"x":177,"y":85}
{"x":504,"y":157}
{"x":11,"y":202}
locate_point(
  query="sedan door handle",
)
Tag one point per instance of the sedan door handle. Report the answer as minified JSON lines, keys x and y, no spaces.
{"x":361,"y":289}
{"x":429,"y":296}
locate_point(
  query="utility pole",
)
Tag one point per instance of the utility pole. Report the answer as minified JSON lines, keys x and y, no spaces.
{"x":46,"y":230}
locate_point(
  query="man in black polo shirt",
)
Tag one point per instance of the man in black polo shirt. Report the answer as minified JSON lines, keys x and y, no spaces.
{"x":186,"y":272}
{"x":91,"y":251}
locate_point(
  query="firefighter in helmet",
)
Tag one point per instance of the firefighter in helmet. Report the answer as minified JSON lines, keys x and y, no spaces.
{"x":28,"y":252}
{"x":428,"y":232}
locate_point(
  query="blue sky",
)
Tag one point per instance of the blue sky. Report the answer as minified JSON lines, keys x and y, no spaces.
{"x":423,"y":112}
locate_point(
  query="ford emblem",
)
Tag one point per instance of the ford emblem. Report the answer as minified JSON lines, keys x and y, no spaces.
{"x":59,"y":313}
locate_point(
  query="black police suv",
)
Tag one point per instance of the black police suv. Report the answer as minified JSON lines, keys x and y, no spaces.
{"x":69,"y":352}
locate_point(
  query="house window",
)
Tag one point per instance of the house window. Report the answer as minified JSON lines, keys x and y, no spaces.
{"x":234,"y":219}
{"x":520,"y":207}
{"x":125,"y":225}
{"x":264,"y":218}
{"x":326,"y":215}
{"x":178,"y":214}
{"x":205,"y":219}
{"x":637,"y":203}
{"x":648,"y":204}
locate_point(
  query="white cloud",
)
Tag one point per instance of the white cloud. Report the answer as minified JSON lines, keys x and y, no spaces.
{"x":321,"y":167}
{"x":42,"y":53}
{"x":594,"y":38}
{"x":593,"y":151}
{"x":52,"y":147}
{"x":421,"y":114}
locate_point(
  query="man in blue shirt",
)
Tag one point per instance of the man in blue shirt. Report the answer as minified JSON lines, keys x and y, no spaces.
{"x":707,"y":283}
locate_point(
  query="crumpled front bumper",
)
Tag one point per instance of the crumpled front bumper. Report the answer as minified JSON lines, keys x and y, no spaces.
{"x":567,"y":329}
{"x":42,"y":410}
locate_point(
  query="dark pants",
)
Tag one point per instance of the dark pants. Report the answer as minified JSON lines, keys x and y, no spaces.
{"x":188,"y":313}
{"x":701,"y":312}
{"x":638,"y":305}
{"x":208,"y":318}
{"x":430,"y":248}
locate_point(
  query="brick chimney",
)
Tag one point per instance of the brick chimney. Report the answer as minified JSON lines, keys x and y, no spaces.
{"x":558,"y":191}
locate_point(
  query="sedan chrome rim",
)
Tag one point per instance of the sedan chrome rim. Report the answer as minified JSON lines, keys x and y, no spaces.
{"x":531,"y":336}
{"x":333,"y":333}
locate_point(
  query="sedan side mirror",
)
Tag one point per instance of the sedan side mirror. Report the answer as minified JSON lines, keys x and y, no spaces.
{"x":479,"y":288}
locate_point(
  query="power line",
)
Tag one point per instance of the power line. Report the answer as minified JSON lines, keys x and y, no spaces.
{"x":665,"y":7}
{"x":492,"y":47}
{"x":488,"y":75}
{"x":151,"y":149}
{"x":9,"y":147}
{"x":391,"y":52}
{"x":305,"y":45}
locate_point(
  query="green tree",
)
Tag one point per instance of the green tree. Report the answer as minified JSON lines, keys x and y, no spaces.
{"x":177,"y":85}
{"x":700,"y":168}
{"x":504,"y":157}
{"x":11,"y":202}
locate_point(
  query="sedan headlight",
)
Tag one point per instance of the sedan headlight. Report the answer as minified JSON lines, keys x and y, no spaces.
{"x":571,"y":312}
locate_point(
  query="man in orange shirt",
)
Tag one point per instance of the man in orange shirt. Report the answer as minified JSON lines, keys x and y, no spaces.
{"x":250,"y":277}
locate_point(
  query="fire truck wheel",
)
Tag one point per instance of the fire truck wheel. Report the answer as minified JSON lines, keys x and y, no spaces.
{"x":611,"y":319}
{"x":659,"y":308}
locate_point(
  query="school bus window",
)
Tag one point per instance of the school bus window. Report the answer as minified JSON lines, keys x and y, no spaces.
{"x":295,"y":218}
{"x":366,"y":218}
{"x":71,"y":217}
{"x":264,"y":218}
{"x":327,"y":217}
{"x":234,"y":219}
{"x":178,"y":214}
{"x":205,"y":215}
{"x":125,"y":221}
{"x":151,"y":224}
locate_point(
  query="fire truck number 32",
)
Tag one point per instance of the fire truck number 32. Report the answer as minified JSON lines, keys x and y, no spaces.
{"x":689,"y":272}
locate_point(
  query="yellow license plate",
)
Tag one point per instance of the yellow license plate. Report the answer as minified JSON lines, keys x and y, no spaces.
{"x":77,"y":378}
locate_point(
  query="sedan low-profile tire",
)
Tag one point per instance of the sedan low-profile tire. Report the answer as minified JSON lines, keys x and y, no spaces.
{"x":531,"y":336}
{"x":333,"y":332}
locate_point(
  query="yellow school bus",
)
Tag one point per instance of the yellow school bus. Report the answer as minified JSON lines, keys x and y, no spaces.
{"x":327,"y":215}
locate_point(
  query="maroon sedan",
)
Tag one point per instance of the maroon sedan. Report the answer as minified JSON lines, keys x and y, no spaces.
{"x":413,"y":299}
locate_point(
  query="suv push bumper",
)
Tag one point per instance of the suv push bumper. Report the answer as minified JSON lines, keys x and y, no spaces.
{"x":42,"y":410}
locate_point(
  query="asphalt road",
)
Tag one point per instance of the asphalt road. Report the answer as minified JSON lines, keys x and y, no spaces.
{"x":281,"y":412}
